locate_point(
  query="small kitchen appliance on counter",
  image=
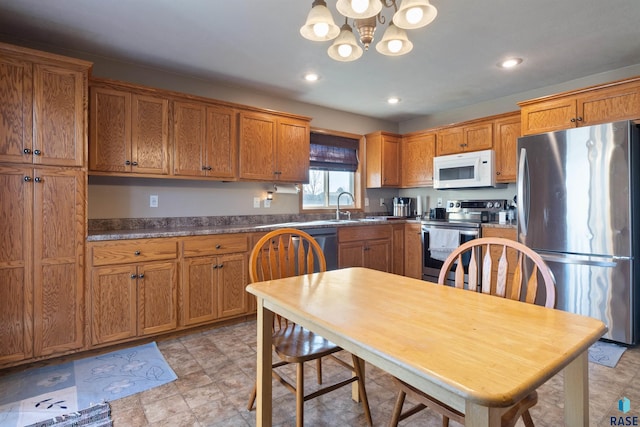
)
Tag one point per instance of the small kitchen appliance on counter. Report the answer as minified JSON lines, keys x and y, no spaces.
{"x":402,"y":206}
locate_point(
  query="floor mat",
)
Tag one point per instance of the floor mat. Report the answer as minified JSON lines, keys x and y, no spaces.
{"x":606,"y":353}
{"x":43,"y":393}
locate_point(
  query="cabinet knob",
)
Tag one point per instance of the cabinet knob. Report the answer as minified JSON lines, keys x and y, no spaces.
{"x":37,"y":152}
{"x":136,"y":253}
{"x":277,"y":173}
{"x":134,"y":163}
{"x":573,"y":120}
{"x":133,"y":276}
{"x":497,"y":173}
{"x":220,"y":265}
{"x":215,"y":266}
{"x":128,"y":163}
{"x":141,"y":276}
{"x":579,"y":119}
{"x":218,"y":246}
{"x":208,"y":168}
{"x":27,"y":179}
{"x":26,"y":151}
{"x":37,"y":179}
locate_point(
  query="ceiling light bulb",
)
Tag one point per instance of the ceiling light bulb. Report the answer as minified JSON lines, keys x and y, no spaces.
{"x":344,"y":50}
{"x":394,"y":45}
{"x":393,"y":100}
{"x":321,"y":29}
{"x":414,"y":15}
{"x":359,"y":6}
{"x":311,"y":77}
{"x":511,"y":62}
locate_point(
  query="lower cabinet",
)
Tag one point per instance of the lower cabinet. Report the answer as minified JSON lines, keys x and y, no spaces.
{"x":413,"y":250}
{"x":398,"y":252}
{"x":214,"y":277}
{"x":133,"y":290}
{"x":365,"y":246}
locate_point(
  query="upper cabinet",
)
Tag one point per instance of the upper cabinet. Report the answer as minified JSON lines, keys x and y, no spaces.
{"x":44,"y":98}
{"x":469,"y":137}
{"x":383,"y":159}
{"x":598,"y":104}
{"x":273,"y":148}
{"x":204,"y":140}
{"x":418,"y":150}
{"x":129,"y":131}
{"x":507,"y":132}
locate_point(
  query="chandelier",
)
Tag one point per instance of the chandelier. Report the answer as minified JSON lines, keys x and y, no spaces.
{"x":366,"y":14}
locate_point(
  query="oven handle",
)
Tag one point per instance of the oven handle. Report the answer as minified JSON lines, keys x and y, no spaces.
{"x":462,"y":232}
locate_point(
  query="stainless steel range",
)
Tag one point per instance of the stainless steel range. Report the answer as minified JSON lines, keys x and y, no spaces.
{"x":461,"y":224}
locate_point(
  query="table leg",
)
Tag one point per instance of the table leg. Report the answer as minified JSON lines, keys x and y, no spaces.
{"x":576,"y":392}
{"x":481,"y":416}
{"x":355,"y":392}
{"x":264,"y":397}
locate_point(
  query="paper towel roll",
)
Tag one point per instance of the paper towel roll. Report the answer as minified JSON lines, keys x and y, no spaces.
{"x":286,"y":189}
{"x":418,"y":206}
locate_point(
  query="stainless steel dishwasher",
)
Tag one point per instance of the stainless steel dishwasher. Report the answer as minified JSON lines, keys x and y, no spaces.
{"x":327,"y":238}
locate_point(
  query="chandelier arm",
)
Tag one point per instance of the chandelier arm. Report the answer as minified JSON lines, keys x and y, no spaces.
{"x":389,"y":3}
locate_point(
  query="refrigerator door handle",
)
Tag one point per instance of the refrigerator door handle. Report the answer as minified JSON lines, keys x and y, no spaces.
{"x":523,"y":199}
{"x":572,"y":259}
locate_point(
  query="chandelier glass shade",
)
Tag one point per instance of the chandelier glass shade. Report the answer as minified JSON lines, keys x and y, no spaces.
{"x":365,"y":14}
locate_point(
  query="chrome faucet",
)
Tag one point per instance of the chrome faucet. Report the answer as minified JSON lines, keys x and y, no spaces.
{"x":338,"y":207}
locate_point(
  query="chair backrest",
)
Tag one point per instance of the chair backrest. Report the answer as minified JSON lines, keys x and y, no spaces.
{"x":509,"y":252}
{"x":284,"y":253}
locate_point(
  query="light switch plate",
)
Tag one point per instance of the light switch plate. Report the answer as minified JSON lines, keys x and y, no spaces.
{"x":153,"y":201}
{"x":366,"y":201}
{"x":439,"y":202}
{"x":267,"y":203}
{"x":256,"y":202}
{"x":381,"y":201}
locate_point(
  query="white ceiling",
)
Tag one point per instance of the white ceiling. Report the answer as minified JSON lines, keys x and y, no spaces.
{"x":257,"y":44}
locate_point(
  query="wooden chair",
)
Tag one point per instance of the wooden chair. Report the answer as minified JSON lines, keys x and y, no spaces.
{"x":494,"y":281}
{"x":284,"y":253}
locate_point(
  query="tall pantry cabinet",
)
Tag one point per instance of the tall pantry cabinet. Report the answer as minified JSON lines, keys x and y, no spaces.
{"x":43,"y":180}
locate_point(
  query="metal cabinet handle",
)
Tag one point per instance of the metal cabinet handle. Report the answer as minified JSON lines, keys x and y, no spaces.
{"x":209,"y":168}
{"x":37,"y":152}
{"x":26,"y":151}
{"x":573,"y":120}
{"x":136,"y":253}
{"x":579,"y":119}
{"x":215,"y":266}
{"x":27,"y":179}
{"x":37,"y":179}
{"x":134,"y":163}
{"x":220,"y":265}
{"x":497,"y":173}
{"x":133,"y":276}
{"x":141,"y":276}
{"x":128,"y":163}
{"x":218,"y":246}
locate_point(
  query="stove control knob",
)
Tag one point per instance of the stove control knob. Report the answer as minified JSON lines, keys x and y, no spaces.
{"x":457,"y":204}
{"x":450,"y":204}
{"x":496,"y":205}
{"x":489,"y":204}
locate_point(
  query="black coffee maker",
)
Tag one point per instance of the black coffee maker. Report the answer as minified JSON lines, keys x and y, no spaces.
{"x":437,"y":213}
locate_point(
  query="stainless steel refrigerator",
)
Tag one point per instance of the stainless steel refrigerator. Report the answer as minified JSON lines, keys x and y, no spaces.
{"x":578,"y":206}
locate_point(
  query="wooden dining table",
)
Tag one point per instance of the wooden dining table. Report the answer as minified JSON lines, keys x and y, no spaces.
{"x":479,"y":354}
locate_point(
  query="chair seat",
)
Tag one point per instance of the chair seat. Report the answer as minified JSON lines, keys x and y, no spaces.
{"x":295,"y":344}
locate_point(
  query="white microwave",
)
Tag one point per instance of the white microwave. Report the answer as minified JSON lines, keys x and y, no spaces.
{"x":465,"y":170}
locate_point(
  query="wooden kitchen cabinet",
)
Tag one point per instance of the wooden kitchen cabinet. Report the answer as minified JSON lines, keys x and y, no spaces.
{"x":43,"y":100}
{"x":413,"y":250}
{"x":365,"y":246}
{"x":129,"y":130}
{"x":204,"y":140}
{"x":418,"y":150}
{"x":589,"y":106}
{"x":474,"y":136}
{"x":398,"y":253}
{"x":273,"y":148}
{"x":214,"y":277}
{"x":383,"y":160}
{"x":133,"y":289}
{"x":507,"y":132}
{"x":41,"y":265}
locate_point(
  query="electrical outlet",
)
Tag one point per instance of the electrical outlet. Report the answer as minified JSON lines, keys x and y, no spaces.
{"x":381,"y":201}
{"x":153,"y":201}
{"x":256,"y":202}
{"x":366,"y":201}
{"x":439,"y":202}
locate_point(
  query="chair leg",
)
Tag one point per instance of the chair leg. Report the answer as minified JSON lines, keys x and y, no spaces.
{"x":252,"y":399}
{"x":300,"y":395}
{"x":526,"y":417}
{"x":319,"y":370}
{"x":362,"y":389}
{"x":397,"y":410}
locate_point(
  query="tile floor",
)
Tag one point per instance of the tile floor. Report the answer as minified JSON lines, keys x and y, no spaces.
{"x":216,"y":370}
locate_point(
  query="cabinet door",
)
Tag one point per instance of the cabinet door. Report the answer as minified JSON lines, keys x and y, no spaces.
{"x":417,"y":160}
{"x":398,"y":249}
{"x":157,"y":297}
{"x":413,"y":251}
{"x":232,"y":281}
{"x":189,"y":127}
{"x":59,"y":115}
{"x":351,"y":254}
{"x":292,"y":150}
{"x":149,"y":134}
{"x":257,"y":146}
{"x":113,"y":303}
{"x":390,"y":161}
{"x":610,"y":104}
{"x":110,"y":130}
{"x":16,"y":285}
{"x":199,"y":293}
{"x":16,"y":106}
{"x":548,"y":116}
{"x":221,"y":143}
{"x":478,"y":137}
{"x":58,"y":247}
{"x":450,"y":141}
{"x":506,"y":145}
{"x":377,"y":255}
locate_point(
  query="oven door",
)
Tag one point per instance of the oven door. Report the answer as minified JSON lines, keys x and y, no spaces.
{"x":431,"y":267}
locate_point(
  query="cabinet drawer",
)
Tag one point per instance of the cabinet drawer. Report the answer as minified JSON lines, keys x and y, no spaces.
{"x":359,"y":233}
{"x":133,"y":251}
{"x":215,"y":245}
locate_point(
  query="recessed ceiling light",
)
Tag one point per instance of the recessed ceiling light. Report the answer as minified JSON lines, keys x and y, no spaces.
{"x":510,"y":63}
{"x":393,"y":100}
{"x":311,"y":77}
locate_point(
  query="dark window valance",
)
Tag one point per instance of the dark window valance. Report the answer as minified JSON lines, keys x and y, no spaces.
{"x":336,"y":153}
